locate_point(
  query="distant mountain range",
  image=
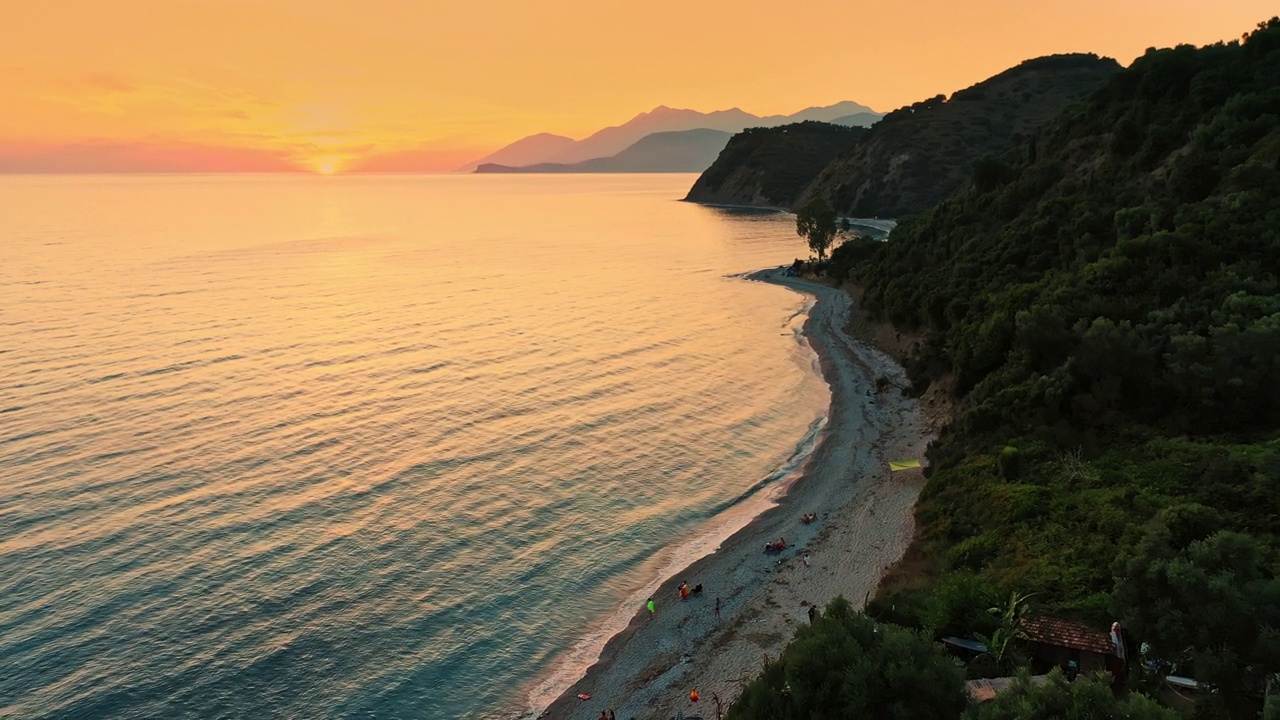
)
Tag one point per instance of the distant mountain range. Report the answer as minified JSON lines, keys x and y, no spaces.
{"x":676,"y":151}
{"x":526,"y":151}
{"x":555,"y":152}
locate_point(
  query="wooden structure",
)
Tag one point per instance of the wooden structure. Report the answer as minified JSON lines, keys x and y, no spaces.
{"x":1070,"y":645}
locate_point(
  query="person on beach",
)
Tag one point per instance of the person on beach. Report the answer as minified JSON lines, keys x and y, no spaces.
{"x":717,"y":608}
{"x":653,"y":609}
{"x":806,"y":559}
{"x":813,"y":613}
{"x":684,"y":590}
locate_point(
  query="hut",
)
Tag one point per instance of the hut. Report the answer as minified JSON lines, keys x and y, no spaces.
{"x":1073,"y":646}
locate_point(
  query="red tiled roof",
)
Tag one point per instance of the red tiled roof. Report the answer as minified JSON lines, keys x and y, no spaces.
{"x":1068,"y":634}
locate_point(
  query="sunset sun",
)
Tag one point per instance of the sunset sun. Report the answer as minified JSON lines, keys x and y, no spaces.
{"x":327,"y":166}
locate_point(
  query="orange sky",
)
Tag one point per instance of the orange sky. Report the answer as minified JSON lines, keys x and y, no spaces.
{"x":275,"y":84}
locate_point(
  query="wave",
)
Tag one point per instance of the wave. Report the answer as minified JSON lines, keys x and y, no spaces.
{"x":793,"y":465}
{"x":721,"y":522}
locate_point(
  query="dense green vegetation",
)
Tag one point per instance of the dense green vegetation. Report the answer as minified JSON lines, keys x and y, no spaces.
{"x":920,"y":154}
{"x":1191,"y":584}
{"x":911,"y":158}
{"x":847,"y":665}
{"x":770,"y":166}
{"x":1104,"y":299}
{"x":1084,"y":699}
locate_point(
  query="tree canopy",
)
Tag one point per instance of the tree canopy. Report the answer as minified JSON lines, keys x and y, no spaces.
{"x":1104,"y":303}
{"x":846,"y":665}
{"x":1096,"y":298}
{"x":816,"y":222}
{"x":1057,"y":699}
{"x":1206,"y":597}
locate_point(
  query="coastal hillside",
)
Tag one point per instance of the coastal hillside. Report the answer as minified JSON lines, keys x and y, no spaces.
{"x":769,"y":167}
{"x":919,"y":154}
{"x":860,"y":119}
{"x":1103,"y":300}
{"x":913,"y":157}
{"x":685,"y":151}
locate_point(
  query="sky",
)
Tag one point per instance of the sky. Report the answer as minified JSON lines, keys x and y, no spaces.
{"x":330,"y":85}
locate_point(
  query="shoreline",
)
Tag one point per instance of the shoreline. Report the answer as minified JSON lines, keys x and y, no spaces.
{"x":865,"y":522}
{"x":877,"y":228}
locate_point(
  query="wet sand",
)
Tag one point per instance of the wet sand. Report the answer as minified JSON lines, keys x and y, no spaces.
{"x":864,"y":524}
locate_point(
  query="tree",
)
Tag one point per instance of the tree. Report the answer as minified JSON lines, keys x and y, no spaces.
{"x":846,"y":665}
{"x":816,"y":222}
{"x":1208,"y":596}
{"x":1000,"y":644}
{"x":1057,"y":699}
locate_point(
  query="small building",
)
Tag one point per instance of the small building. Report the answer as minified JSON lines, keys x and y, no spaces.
{"x":1073,"y":646}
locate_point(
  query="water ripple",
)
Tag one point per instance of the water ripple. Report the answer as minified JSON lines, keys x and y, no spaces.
{"x":344,"y":452}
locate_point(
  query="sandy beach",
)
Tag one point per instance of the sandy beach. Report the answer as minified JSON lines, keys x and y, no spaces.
{"x":864,"y":524}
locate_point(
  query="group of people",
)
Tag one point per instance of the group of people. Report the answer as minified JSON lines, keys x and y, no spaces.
{"x":606,"y":716}
{"x":808,"y":518}
{"x":776,"y":546}
{"x":685,"y":590}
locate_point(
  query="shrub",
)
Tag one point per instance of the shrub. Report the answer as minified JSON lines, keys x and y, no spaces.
{"x":847,"y":665}
{"x":1009,"y":462}
{"x":1057,"y":699}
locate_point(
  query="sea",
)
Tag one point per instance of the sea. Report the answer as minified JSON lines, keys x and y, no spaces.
{"x":370,"y":446}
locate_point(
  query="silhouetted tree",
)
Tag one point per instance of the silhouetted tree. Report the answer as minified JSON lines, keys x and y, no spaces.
{"x":816,"y":222}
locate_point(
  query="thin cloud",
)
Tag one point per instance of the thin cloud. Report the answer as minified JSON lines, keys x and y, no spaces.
{"x":139,"y":157}
{"x":415,"y":160}
{"x":108,"y":82}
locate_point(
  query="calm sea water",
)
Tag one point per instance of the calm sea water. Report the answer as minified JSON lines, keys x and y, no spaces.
{"x":386,"y":447}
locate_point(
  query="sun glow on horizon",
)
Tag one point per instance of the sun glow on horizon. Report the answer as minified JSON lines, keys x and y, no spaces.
{"x":432,"y":86}
{"x":327,"y":165}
